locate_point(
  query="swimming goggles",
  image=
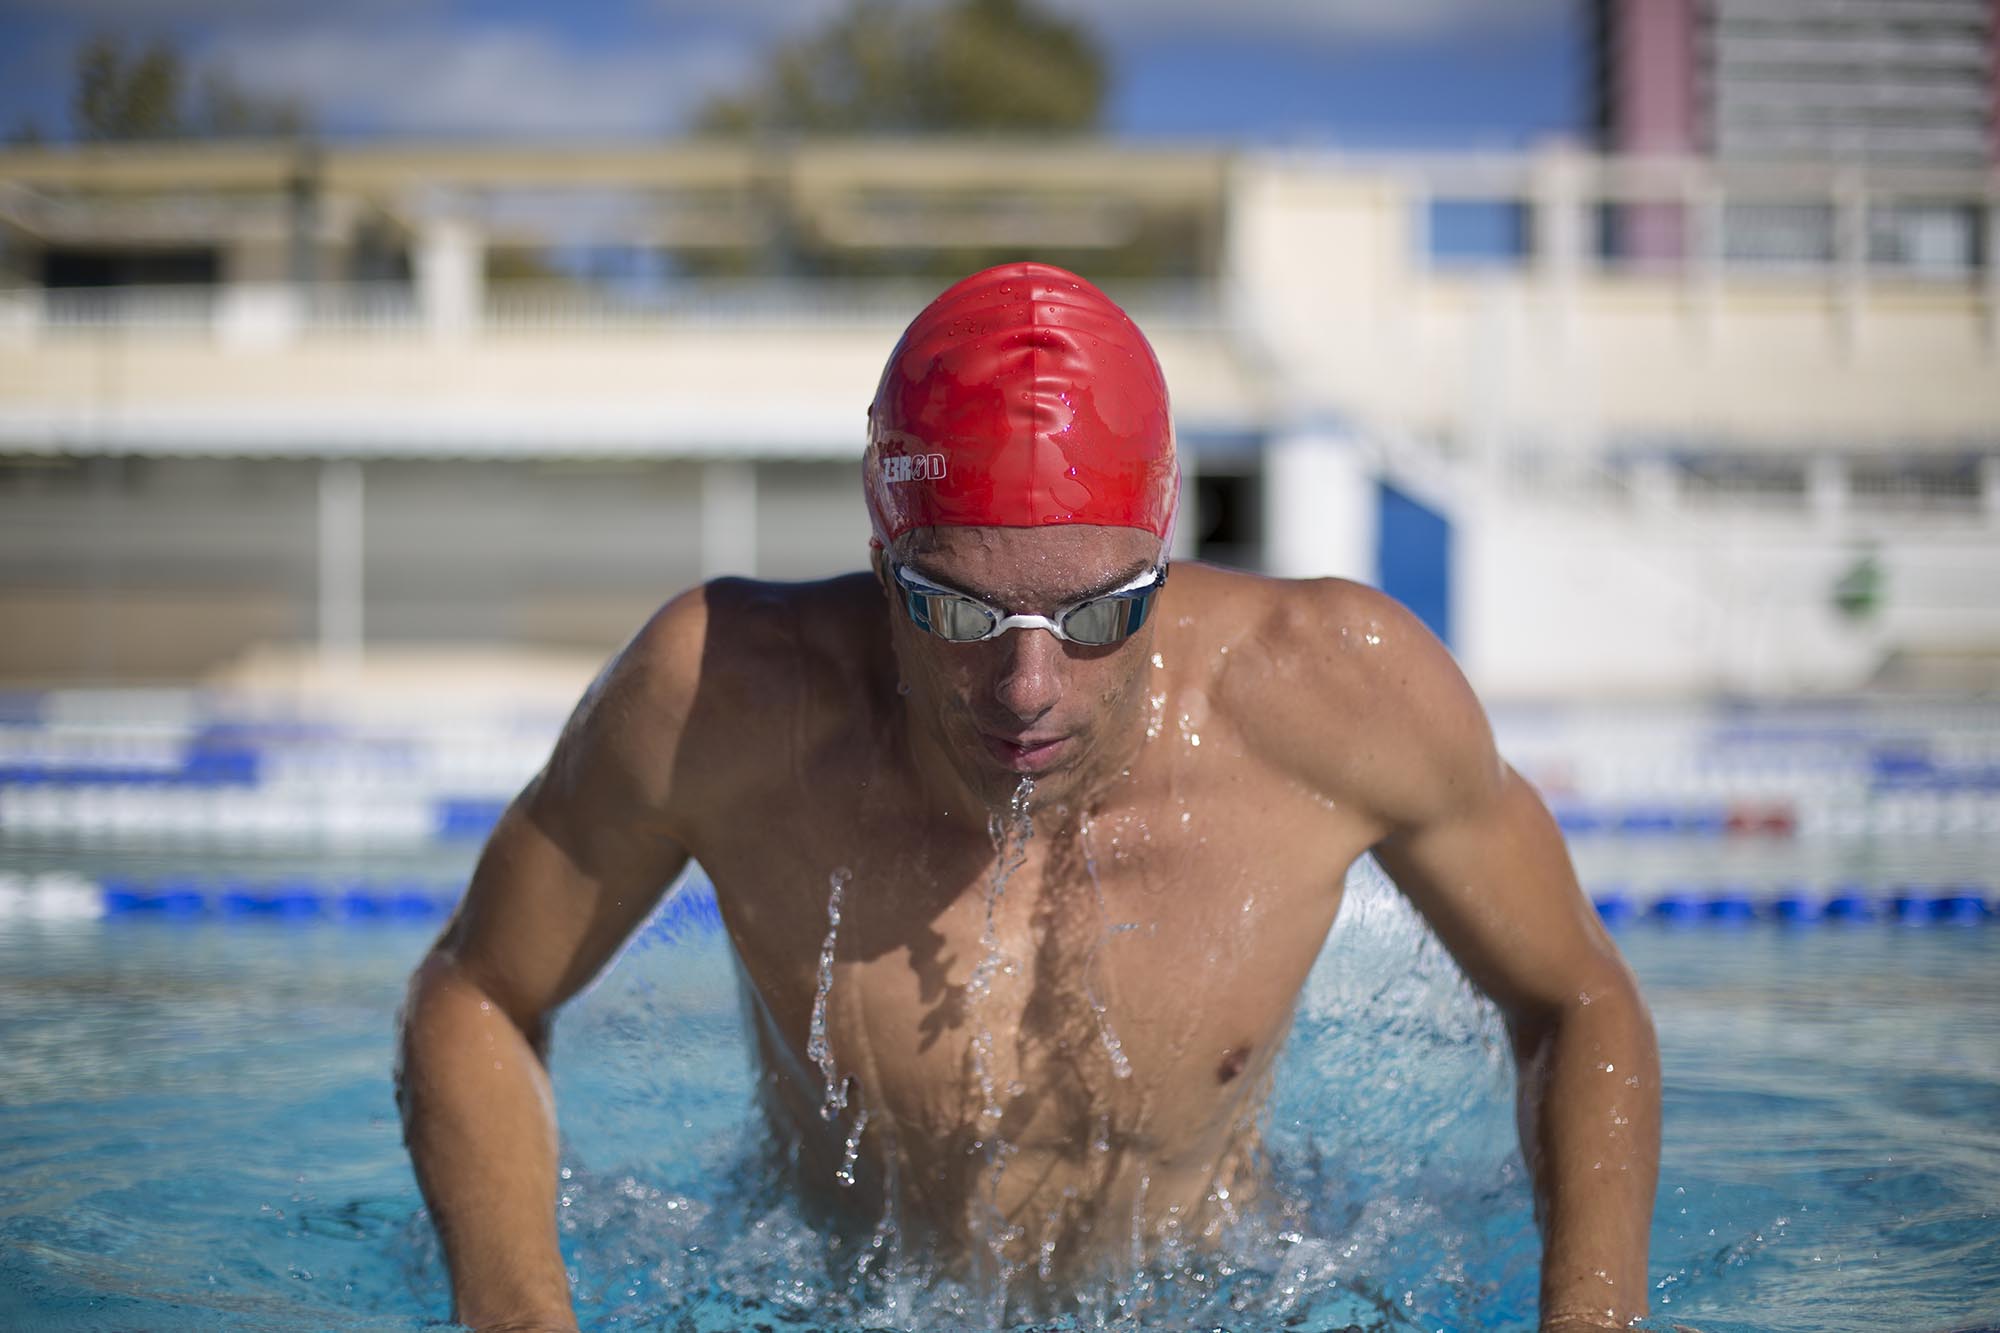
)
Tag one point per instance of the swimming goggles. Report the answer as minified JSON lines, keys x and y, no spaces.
{"x":1095,"y":621}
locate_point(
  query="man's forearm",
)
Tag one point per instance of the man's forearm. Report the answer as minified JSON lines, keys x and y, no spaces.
{"x":479,"y":1118}
{"x":1590,"y":1130}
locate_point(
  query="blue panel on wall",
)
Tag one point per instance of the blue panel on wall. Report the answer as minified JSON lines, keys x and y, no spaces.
{"x":1495,"y":232}
{"x":1413,"y":558}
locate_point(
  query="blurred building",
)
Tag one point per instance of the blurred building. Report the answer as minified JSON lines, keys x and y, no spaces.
{"x":1904,"y":82}
{"x":362,"y":401}
{"x":1907,"y":85}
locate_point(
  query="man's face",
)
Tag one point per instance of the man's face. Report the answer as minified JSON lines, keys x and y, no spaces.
{"x":1025,"y":704}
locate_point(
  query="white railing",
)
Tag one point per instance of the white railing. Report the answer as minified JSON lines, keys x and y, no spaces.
{"x":1572,"y":212}
{"x":278,"y":313}
{"x":139,"y":309}
{"x":1693,"y":478}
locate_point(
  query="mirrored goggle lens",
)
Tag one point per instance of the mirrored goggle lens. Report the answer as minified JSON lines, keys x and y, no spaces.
{"x":1109,"y":619}
{"x":959,"y":619}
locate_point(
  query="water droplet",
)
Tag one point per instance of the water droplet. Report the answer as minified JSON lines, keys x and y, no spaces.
{"x":1114,"y":1049}
{"x":818,"y":1049}
{"x":851,"y":1151}
{"x":1010,"y":834}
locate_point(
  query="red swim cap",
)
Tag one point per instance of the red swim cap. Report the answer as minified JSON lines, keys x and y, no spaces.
{"x":1021,"y":397}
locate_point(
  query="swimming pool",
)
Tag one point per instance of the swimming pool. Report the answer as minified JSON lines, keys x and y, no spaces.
{"x":199,"y":1132}
{"x":197,"y":1128}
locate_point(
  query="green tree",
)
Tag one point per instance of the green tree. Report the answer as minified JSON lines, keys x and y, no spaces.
{"x":945,"y":67}
{"x":151,"y":93}
{"x":121,"y":96}
{"x":892,"y":66}
{"x":225,"y":109}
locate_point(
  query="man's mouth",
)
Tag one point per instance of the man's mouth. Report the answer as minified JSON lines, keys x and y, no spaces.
{"x":1027,"y":754}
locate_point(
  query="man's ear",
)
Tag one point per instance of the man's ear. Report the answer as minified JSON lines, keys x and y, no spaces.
{"x":878,"y":559}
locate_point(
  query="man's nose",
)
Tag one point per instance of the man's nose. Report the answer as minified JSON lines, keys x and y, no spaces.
{"x":1030,"y":674}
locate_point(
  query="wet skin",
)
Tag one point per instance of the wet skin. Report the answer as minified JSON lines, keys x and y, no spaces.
{"x":1198,"y":792}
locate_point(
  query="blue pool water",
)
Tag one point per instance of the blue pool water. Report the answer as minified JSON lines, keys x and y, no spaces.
{"x":197,"y":1131}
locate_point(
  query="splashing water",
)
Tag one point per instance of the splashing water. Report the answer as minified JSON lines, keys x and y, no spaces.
{"x":851,"y":1150}
{"x":1121,"y":1067}
{"x":818,"y":1049}
{"x":1010,"y":837}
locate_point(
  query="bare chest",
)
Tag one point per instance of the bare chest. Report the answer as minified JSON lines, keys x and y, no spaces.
{"x":1125,"y":979}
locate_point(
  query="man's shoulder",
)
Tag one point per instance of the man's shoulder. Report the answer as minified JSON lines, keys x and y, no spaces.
{"x":1342,"y":686}
{"x":733,"y":634}
{"x":713,"y":685}
{"x":1316,"y":624}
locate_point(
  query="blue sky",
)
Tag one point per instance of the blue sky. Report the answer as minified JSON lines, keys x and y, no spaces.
{"x":1360,"y":73}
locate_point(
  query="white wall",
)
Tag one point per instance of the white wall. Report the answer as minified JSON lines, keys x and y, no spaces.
{"x":1559,"y":599}
{"x":1319,"y":507}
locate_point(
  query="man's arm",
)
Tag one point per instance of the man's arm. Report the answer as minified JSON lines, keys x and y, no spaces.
{"x":1495,"y":883}
{"x":576,"y":863}
{"x":1473,"y":848}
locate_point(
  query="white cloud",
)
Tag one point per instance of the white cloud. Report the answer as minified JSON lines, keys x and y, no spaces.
{"x":1304,"y":20}
{"x":1300,"y":20}
{"x":144,"y":16}
{"x":763,"y":19}
{"x":515,"y":81}
{"x":416,"y":67}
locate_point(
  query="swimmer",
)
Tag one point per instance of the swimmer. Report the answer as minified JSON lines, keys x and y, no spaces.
{"x":1088,"y":815}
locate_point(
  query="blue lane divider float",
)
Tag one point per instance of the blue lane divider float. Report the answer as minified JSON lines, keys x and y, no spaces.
{"x":1749,"y":818}
{"x":1796,"y":907}
{"x":202,"y":762}
{"x":1903,"y":769}
{"x":1726,"y":905}
{"x":691,"y":908}
{"x":467,"y":818}
{"x":287,"y":900}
